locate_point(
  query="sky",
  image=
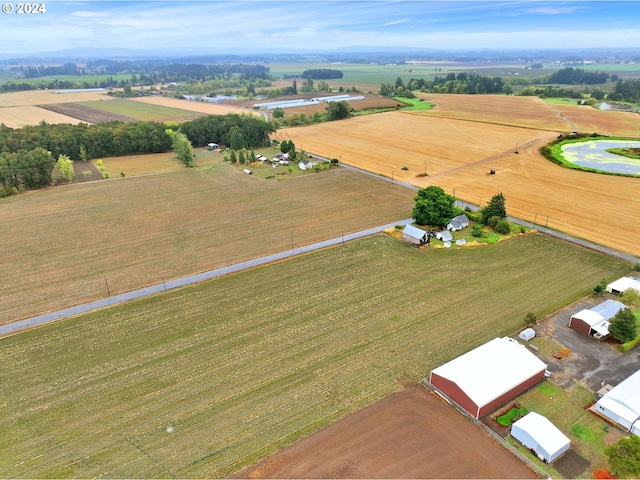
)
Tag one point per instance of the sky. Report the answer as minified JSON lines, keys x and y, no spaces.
{"x":264,"y":26}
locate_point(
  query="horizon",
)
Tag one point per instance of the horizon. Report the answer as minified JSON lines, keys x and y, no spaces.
{"x":211,"y":27}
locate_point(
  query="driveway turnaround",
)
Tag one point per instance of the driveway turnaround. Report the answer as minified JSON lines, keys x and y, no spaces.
{"x":20,"y":325}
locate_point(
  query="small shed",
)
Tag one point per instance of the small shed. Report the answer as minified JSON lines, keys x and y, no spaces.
{"x":527,"y":334}
{"x":445,"y":236}
{"x":212,"y":146}
{"x":414,"y":235}
{"x":541,"y":436}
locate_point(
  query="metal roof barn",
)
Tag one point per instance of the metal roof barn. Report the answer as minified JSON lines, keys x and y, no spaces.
{"x":621,"y":404}
{"x":536,"y":432}
{"x":488,"y":376}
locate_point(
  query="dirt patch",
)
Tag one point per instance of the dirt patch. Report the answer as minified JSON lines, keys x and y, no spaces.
{"x":571,"y":464}
{"x":409,"y":434}
{"x":85,"y":172}
{"x":86,"y":114}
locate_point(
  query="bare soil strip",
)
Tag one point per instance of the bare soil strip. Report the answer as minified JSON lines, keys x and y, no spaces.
{"x":86,"y":114}
{"x":409,"y":434}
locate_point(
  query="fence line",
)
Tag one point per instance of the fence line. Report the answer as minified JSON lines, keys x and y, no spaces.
{"x":478,"y":423}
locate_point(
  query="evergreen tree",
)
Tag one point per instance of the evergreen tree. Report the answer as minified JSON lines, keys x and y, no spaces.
{"x":495,"y":208}
{"x":623,"y":326}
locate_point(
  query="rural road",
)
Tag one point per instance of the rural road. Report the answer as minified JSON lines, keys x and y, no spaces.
{"x":38,"y":320}
{"x":20,"y":325}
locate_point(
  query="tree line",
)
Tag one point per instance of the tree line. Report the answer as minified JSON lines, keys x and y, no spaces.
{"x":28,"y":154}
{"x":462,"y":82}
{"x":322,"y":73}
{"x":577,"y":76}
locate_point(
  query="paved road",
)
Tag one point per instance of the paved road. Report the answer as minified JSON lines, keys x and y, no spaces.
{"x":125,"y":297}
{"x":18,"y":326}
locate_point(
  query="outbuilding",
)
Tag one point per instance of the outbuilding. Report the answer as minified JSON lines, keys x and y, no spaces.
{"x":621,"y":404}
{"x":414,"y":235}
{"x":540,"y":436}
{"x":445,"y":236}
{"x":527,"y":334}
{"x":622,"y":285}
{"x":488,"y":376}
{"x":595,"y":321}
{"x":212,"y":146}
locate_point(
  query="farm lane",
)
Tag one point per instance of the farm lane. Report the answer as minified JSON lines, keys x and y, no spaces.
{"x":16,"y":327}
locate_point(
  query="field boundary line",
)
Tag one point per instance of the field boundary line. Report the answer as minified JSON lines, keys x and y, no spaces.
{"x":32,"y":322}
{"x":491,"y":433}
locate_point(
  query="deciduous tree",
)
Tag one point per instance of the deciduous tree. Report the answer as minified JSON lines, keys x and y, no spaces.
{"x":624,"y":457}
{"x":64,"y":166}
{"x":433,"y":206}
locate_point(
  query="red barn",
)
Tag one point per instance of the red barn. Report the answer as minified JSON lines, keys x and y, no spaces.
{"x":489,"y":376}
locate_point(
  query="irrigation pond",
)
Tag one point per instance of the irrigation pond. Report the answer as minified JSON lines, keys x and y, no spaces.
{"x":593,"y":154}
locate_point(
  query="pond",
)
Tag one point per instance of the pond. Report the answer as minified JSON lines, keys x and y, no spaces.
{"x":593,"y":154}
{"x":620,"y":107}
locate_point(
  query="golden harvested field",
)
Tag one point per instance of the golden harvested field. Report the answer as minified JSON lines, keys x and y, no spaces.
{"x":201,"y":107}
{"x":459,"y":155}
{"x":45,"y":97}
{"x":65,"y":245}
{"x":590,"y":120}
{"x":17,"y":117}
{"x":529,"y":112}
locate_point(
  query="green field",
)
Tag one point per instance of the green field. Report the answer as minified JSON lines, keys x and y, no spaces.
{"x":202,"y":381}
{"x":140,"y":111}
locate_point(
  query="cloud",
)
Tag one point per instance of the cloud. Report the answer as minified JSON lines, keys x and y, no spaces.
{"x":395,"y":22}
{"x":87,"y":14}
{"x":553,"y":10}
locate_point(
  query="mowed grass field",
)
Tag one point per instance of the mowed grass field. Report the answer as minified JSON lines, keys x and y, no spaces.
{"x":202,"y":381}
{"x":75,"y":243}
{"x":458,"y":155}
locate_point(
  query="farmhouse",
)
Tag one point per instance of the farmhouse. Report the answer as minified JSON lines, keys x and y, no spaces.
{"x":541,"y":436}
{"x":621,"y":404}
{"x":458,"y":223}
{"x":595,"y":321}
{"x":414,"y":235}
{"x":622,"y":285}
{"x":488,"y":376}
{"x":445,"y":236}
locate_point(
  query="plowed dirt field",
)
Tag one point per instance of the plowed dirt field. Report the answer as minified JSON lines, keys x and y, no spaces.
{"x":409,"y":434}
{"x":458,"y":155}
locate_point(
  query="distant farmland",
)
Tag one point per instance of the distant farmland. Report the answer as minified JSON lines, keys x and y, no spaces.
{"x":458,"y":155}
{"x":141,"y":111}
{"x":71,"y":244}
{"x":205,"y":380}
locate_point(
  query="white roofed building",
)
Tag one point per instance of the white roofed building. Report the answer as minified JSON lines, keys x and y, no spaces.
{"x":541,"y":436}
{"x":622,"y":285}
{"x":489,"y":376}
{"x":621,"y":404}
{"x":595,"y":321}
